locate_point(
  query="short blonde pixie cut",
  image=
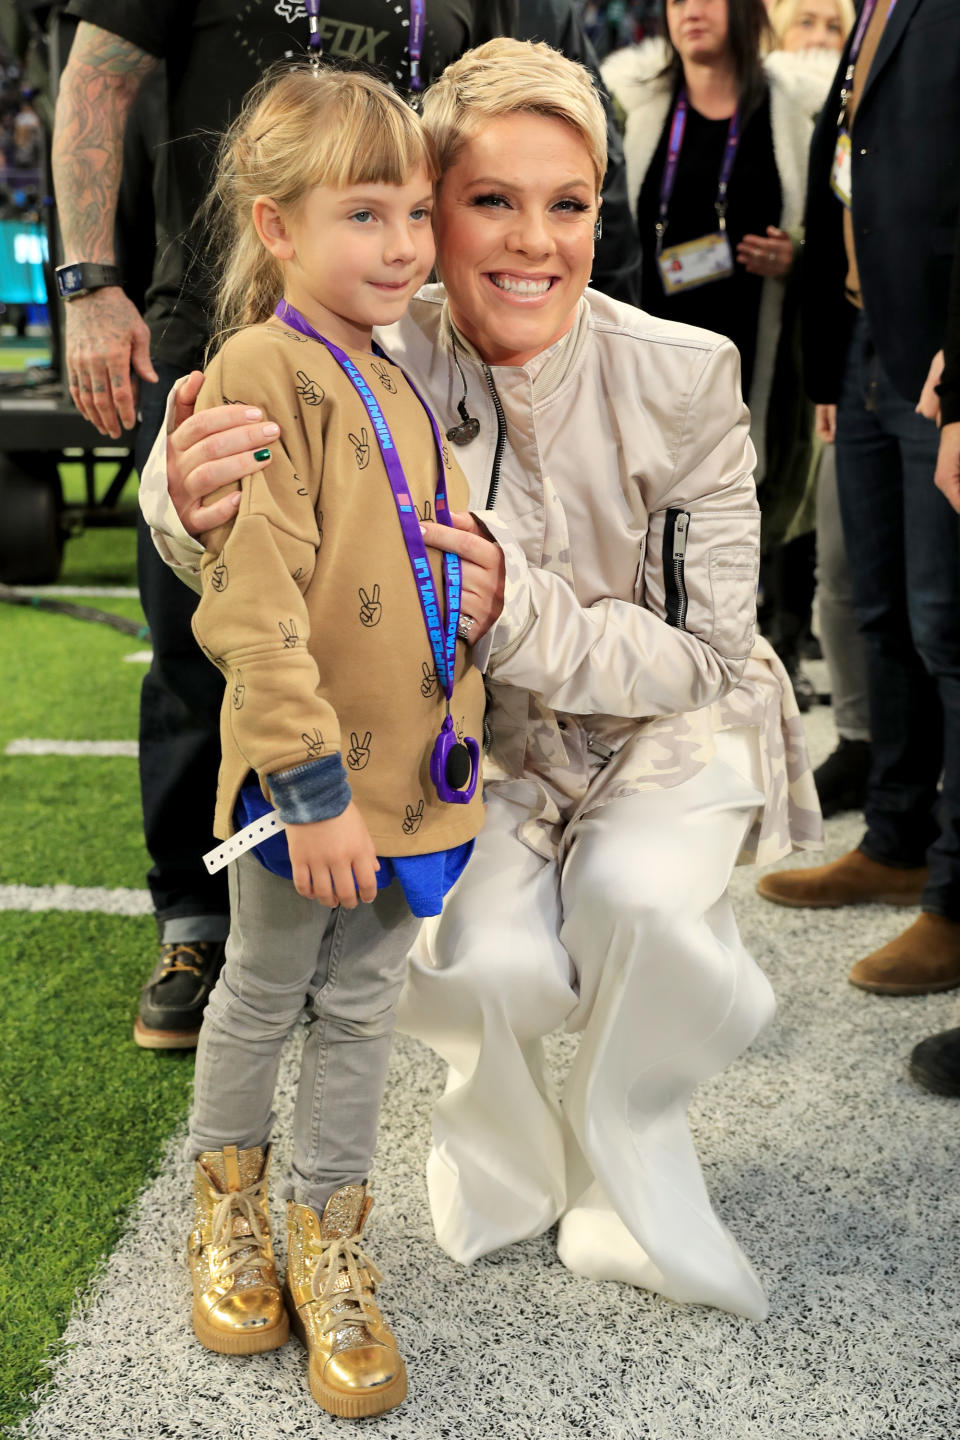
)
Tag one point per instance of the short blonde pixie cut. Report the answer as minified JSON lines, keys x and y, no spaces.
{"x":508,"y":77}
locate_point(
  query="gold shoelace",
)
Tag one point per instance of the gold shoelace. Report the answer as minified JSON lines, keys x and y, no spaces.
{"x":239,"y":1249}
{"x":171,"y":963}
{"x":354,"y":1305}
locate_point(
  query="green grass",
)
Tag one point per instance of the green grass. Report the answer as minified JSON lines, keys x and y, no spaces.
{"x":85,"y":1120}
{"x":86,"y":1114}
{"x":19,"y":354}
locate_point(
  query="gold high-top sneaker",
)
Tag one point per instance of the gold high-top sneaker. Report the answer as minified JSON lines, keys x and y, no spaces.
{"x":237,"y":1305}
{"x":355,"y":1367}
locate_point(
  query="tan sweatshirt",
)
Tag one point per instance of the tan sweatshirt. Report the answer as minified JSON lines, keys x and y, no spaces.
{"x":309,"y":605}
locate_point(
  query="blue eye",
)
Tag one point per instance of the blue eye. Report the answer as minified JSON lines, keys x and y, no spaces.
{"x":571,"y":206}
{"x":493,"y":201}
{"x":421,"y":214}
{"x":362,"y":216}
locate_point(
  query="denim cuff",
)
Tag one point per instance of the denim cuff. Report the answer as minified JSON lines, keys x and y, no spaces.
{"x":318,"y":790}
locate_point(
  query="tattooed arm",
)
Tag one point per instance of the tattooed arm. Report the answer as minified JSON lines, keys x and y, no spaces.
{"x":106,"y":335}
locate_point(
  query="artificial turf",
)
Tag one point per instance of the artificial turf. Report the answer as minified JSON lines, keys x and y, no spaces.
{"x":86,"y":1114}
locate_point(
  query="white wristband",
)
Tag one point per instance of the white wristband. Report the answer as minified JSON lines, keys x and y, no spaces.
{"x":244,"y":840}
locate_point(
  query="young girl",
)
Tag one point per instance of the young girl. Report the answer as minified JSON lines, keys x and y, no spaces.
{"x":349,"y":706}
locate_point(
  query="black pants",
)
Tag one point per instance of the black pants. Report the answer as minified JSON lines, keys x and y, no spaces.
{"x":903,"y":547}
{"x":179,"y":733}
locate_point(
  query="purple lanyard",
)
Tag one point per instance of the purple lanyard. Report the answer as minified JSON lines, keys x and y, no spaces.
{"x":678,"y":125}
{"x":443,"y":642}
{"x":866,"y":15}
{"x":418,"y":20}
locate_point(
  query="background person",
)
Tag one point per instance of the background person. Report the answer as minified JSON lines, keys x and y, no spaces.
{"x":935,"y":1062}
{"x":881,"y":219}
{"x":716,"y":143}
{"x":213,"y":57}
{"x":813,"y":555}
{"x":607,"y":452}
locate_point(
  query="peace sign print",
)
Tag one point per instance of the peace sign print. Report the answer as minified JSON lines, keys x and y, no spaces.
{"x":371,"y":610}
{"x":290,"y":636}
{"x":426,"y":514}
{"x":383,"y":375}
{"x":413,"y":819}
{"x":238,"y":691}
{"x":314,"y":744}
{"x":430,"y":681}
{"x":220,"y":576}
{"x":361,"y":447}
{"x":308,"y":390}
{"x":359,"y":752}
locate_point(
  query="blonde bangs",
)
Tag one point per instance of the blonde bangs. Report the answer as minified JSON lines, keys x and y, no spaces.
{"x":300,"y":127}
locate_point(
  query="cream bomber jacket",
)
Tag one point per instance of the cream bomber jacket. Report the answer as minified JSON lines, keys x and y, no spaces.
{"x":618,"y":634}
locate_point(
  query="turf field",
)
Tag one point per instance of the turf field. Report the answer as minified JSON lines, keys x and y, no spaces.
{"x":86,"y":1112}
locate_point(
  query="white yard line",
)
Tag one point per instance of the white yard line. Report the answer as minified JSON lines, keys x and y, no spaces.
{"x":100,"y":748}
{"x":79,"y":592}
{"x":76,"y":897}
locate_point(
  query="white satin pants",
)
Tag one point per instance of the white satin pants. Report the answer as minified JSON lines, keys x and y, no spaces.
{"x":633,"y":942}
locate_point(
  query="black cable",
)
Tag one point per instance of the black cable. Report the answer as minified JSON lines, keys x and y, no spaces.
{"x":10,"y":596}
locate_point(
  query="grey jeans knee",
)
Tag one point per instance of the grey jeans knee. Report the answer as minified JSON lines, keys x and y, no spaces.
{"x":341,"y":970}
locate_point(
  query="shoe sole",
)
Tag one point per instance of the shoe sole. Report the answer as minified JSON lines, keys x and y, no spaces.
{"x":348,"y":1407}
{"x":163,"y":1039}
{"x":893,"y":987}
{"x":933,"y":1082}
{"x":244,"y":1344}
{"x":841,"y":904}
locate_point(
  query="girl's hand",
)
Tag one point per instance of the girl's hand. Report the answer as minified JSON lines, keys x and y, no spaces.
{"x":770,"y":256}
{"x":484,"y":568}
{"x":334,"y":861}
{"x":825,"y":423}
{"x":208,"y":451}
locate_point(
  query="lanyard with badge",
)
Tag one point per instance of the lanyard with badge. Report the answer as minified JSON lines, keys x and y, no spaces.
{"x":841,"y":175}
{"x":418,"y":20}
{"x":708,"y":258}
{"x":454,"y":763}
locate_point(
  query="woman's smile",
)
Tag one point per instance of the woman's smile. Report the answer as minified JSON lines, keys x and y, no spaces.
{"x":514,"y":221}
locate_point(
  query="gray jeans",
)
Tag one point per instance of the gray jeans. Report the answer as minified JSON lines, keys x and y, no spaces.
{"x":843,"y":646}
{"x":286,"y":957}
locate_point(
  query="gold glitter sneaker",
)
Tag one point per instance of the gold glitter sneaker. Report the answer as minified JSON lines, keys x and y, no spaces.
{"x":355,"y":1367}
{"x":237,"y":1305}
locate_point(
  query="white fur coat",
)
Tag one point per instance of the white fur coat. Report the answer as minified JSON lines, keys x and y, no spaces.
{"x":798,"y":86}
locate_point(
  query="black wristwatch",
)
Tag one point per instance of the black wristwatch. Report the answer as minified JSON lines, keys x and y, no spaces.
{"x":74,"y":281}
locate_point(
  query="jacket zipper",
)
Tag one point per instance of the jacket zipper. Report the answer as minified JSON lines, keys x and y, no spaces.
{"x":501,"y":441}
{"x":674,"y":558}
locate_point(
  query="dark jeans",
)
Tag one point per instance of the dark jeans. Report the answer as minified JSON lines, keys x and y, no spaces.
{"x":902,"y":542}
{"x":179,"y":733}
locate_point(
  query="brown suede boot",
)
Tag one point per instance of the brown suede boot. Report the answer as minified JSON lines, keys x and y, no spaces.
{"x":923,"y":959}
{"x":854,"y":879}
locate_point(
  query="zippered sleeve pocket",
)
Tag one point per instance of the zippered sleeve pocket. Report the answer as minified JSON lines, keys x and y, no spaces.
{"x":701,"y":575}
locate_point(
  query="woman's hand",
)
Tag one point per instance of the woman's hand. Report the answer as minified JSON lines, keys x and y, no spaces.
{"x":334,"y":861}
{"x":825,"y":424}
{"x":205,"y":452}
{"x":929,"y":403}
{"x":484,"y":569}
{"x":947,"y":477}
{"x":770,"y":256}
